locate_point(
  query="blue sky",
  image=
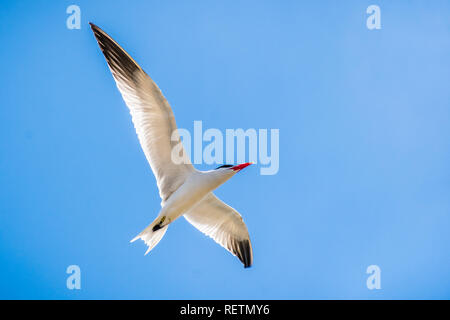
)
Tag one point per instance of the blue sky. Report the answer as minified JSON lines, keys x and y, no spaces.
{"x":364,"y":120}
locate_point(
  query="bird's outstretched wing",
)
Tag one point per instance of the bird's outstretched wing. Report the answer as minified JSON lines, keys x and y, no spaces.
{"x":151,"y":114}
{"x":224,"y":224}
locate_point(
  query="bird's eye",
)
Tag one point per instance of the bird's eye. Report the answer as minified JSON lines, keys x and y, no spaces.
{"x":224,"y":166}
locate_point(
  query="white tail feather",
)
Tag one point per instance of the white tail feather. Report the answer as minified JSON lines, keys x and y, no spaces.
{"x":150,"y":237}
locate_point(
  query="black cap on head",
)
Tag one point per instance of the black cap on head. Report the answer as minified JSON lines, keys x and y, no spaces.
{"x":224,"y":166}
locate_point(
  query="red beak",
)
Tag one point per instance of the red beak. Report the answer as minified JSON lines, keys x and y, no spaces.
{"x":239,"y":167}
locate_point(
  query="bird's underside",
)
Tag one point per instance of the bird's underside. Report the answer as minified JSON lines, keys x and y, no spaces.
{"x":183,"y":189}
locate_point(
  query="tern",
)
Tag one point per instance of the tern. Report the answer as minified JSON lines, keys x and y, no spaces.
{"x":184,"y":190}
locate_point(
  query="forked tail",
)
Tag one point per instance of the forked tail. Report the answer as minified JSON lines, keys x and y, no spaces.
{"x":150,"y":237}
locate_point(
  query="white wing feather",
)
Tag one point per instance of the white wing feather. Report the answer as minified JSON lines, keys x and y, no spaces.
{"x":151,"y":114}
{"x":224,"y":224}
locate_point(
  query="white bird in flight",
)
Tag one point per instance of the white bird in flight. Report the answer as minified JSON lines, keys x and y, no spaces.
{"x":183,"y":189}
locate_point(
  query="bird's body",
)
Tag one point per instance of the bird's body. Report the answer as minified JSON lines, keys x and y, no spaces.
{"x":183,"y":189}
{"x":196,"y":186}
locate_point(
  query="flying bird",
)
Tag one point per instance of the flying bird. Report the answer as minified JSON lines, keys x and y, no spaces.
{"x":184,"y":190}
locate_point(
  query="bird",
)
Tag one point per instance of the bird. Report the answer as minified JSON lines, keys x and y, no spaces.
{"x":184,"y":190}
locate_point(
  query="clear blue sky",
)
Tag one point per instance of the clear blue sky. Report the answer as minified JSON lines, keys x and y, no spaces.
{"x":364,"y":119}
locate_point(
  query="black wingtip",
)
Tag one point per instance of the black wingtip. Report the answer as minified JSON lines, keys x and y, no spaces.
{"x":97,"y":31}
{"x":121,"y":64}
{"x":243,"y":251}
